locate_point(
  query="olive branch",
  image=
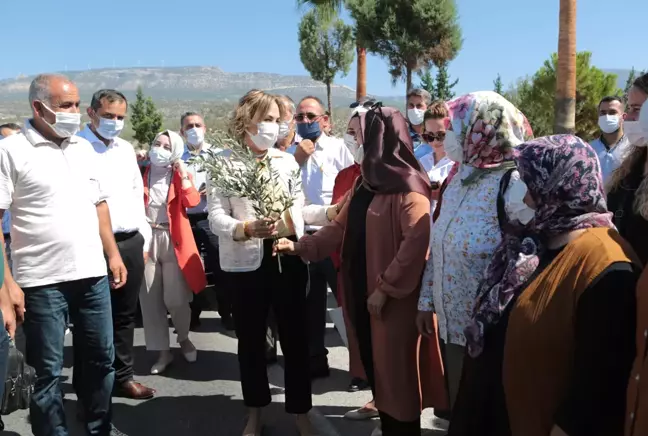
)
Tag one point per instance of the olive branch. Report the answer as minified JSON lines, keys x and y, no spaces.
{"x":234,"y":170}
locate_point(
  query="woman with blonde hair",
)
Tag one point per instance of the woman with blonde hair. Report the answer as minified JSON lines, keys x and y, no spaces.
{"x":258,"y":285}
{"x":173,"y":270}
{"x":628,"y":186}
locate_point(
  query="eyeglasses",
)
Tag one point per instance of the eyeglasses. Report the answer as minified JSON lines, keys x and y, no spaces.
{"x":431,"y":137}
{"x":307,"y":116}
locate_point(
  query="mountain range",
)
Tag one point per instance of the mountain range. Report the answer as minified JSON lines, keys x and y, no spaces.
{"x":184,"y":83}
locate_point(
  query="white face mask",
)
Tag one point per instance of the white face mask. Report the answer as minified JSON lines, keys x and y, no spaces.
{"x":160,"y":157}
{"x":609,"y":123}
{"x":357,"y":151}
{"x":195,"y":137}
{"x":416,"y":116}
{"x":284,"y":130}
{"x":453,"y":148}
{"x":516,"y":208}
{"x":110,"y":129}
{"x":66,"y":124}
{"x":636,"y":133}
{"x":266,"y":136}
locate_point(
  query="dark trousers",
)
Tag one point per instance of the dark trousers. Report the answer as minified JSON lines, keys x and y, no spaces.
{"x":87,"y":302}
{"x":200,"y":301}
{"x":255,"y":293}
{"x":321,"y":274}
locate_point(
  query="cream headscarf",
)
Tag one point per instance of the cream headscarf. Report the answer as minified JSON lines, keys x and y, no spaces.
{"x":177,"y":144}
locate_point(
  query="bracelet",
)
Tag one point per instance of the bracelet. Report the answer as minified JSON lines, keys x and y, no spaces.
{"x":246,"y":229}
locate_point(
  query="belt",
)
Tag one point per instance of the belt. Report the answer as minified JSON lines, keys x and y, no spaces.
{"x":125,"y":236}
{"x":196,"y":217}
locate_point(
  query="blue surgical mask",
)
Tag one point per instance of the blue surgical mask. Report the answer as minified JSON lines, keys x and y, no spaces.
{"x":310,"y":131}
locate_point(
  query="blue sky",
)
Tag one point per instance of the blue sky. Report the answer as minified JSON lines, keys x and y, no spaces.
{"x":510,"y":37}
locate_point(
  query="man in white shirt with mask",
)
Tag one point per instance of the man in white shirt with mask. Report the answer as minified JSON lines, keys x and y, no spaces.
{"x":418,"y":101}
{"x":193,"y":130}
{"x":51,"y":182}
{"x":321,"y":157}
{"x":132,"y":232}
{"x":612,"y":146}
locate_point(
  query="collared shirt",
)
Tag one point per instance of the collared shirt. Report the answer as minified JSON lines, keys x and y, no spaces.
{"x":199,"y":177}
{"x":421,"y":148}
{"x":52,"y":192}
{"x":124,"y":184}
{"x":610,"y":159}
{"x":318,"y":173}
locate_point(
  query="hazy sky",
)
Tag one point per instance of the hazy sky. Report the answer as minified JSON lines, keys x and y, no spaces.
{"x":510,"y":37}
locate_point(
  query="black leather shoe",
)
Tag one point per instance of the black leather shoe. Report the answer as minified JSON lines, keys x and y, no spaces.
{"x":357,"y":385}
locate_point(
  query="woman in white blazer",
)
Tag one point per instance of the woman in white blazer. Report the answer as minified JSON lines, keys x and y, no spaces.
{"x":257,"y":285}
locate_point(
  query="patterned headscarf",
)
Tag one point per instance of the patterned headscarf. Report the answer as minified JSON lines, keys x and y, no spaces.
{"x":489,"y":127}
{"x":564,"y":179}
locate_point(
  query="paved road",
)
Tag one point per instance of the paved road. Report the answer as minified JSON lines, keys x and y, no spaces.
{"x":204,"y":398}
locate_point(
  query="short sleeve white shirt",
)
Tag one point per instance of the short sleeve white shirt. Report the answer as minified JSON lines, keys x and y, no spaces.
{"x":52,"y":193}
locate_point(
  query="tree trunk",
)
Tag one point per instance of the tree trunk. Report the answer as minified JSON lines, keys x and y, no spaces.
{"x":361,"y":81}
{"x":330,"y":104}
{"x":408,"y":82}
{"x":565,"y":109}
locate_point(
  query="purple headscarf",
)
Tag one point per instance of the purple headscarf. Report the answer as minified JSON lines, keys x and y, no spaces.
{"x":563,"y":176}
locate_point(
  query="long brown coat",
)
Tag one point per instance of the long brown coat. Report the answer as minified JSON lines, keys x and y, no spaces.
{"x":398,"y":233}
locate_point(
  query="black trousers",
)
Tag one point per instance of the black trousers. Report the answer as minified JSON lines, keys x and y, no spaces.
{"x":124,"y":308}
{"x":254,"y":294}
{"x":200,"y":301}
{"x":322,"y":273}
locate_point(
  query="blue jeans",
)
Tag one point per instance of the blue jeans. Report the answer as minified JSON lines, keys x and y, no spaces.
{"x":87,"y":303}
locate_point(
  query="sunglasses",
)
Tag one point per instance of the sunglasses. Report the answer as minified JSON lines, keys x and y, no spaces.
{"x":431,"y":137}
{"x":306,"y":116}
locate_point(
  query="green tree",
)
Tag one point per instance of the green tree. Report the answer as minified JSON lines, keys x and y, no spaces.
{"x":499,"y":86}
{"x":631,"y":78}
{"x":428,"y":83}
{"x":326,"y":49}
{"x":410,"y":34}
{"x":330,"y":9}
{"x":444,"y":87}
{"x":535,"y":96}
{"x":145,"y":118}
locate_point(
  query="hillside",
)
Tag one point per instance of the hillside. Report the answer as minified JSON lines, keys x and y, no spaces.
{"x":183,"y":83}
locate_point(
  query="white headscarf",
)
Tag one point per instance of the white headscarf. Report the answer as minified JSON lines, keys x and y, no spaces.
{"x":177,"y":144}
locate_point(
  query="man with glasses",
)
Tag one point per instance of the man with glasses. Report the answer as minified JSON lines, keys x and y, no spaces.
{"x":321,"y":158}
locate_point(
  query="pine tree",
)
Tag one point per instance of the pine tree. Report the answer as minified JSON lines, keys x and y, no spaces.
{"x":444,"y":88}
{"x":145,"y":118}
{"x":499,"y":87}
{"x":427,"y":82}
{"x":631,"y":78}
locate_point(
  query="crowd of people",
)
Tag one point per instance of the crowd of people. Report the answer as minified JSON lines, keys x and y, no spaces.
{"x":487,"y":274}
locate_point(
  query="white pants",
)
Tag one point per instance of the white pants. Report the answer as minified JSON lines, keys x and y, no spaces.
{"x":164,"y":289}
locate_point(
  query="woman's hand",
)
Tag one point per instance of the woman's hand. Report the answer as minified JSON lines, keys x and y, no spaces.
{"x":375,"y":302}
{"x":261,"y":229}
{"x":285,"y":246}
{"x":425,"y":323}
{"x":180,"y":167}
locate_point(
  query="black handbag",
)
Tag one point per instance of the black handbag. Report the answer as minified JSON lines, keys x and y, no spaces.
{"x":19,"y":384}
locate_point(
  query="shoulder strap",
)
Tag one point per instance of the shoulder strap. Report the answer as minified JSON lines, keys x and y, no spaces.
{"x":501,"y":209}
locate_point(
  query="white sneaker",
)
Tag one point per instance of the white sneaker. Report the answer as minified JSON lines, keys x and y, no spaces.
{"x":189,"y":351}
{"x":163,"y":361}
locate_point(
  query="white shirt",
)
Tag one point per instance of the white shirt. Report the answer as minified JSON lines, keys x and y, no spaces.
{"x":52,"y":193}
{"x":437,"y":172}
{"x":125,"y":186}
{"x":318,"y":173}
{"x":611,"y":159}
{"x":199,"y":178}
{"x":226,"y":213}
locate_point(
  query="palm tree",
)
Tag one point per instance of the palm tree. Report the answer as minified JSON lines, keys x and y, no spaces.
{"x":565,"y":109}
{"x":328,"y":10}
